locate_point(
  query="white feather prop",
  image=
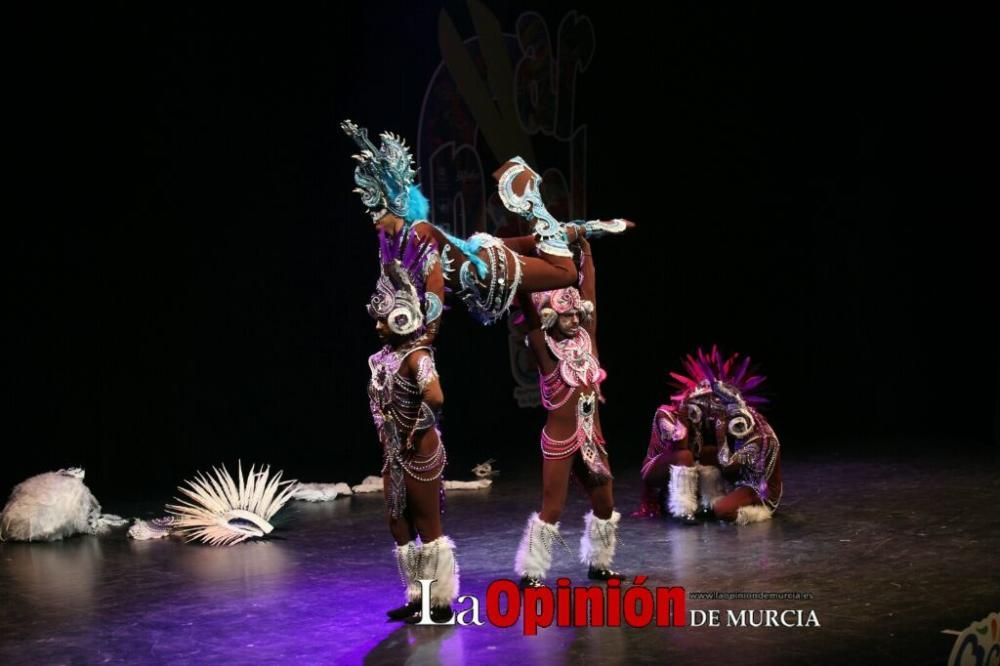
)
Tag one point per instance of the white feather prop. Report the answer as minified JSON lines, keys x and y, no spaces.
{"x":370,"y":484}
{"x":373,"y":484}
{"x":51,"y":506}
{"x":478,"y":484}
{"x":157,"y":528}
{"x":221,"y":512}
{"x":320,"y":492}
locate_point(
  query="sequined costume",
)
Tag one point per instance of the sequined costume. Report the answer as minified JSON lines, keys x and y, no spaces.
{"x":404,"y":393}
{"x":718,"y":446}
{"x":576,"y":370}
{"x":483,"y":271}
{"x":754,"y":460}
{"x":668,"y":448}
{"x":400,"y":413}
{"x":561,"y":331}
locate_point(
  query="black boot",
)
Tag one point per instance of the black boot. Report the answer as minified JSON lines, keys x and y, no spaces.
{"x":688,"y":519}
{"x":439,"y":614}
{"x":404,"y":612}
{"x":705,"y":514}
{"x":604,"y":574}
{"x":531,"y":581}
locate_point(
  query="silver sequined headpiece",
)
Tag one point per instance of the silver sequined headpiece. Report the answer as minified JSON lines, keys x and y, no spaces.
{"x":397,"y":294}
{"x":384,"y":174}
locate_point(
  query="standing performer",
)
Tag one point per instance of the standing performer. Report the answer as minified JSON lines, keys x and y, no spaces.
{"x":405,"y":393}
{"x":562,"y":336}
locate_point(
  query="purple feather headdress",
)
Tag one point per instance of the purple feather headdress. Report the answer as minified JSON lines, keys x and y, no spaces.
{"x":704,"y":369}
{"x":399,"y":291}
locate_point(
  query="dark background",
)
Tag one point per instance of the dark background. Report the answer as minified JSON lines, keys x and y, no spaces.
{"x":190,"y":268}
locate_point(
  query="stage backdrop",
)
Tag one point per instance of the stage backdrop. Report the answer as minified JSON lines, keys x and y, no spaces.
{"x":191,"y":268}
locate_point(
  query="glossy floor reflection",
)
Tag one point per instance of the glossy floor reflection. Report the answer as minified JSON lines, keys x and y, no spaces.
{"x":892,"y":554}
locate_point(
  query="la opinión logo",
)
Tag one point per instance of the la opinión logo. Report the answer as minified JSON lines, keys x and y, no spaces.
{"x":566,"y":606}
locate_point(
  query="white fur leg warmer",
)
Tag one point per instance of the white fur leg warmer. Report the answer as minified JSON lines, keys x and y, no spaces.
{"x":597,"y":545}
{"x":438,"y":563}
{"x":534,"y":554}
{"x":683,"y":500}
{"x":408,"y":563}
{"x":755,"y":513}
{"x":710,"y":484}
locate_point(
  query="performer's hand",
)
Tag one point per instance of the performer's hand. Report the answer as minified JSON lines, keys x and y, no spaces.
{"x":597,"y":228}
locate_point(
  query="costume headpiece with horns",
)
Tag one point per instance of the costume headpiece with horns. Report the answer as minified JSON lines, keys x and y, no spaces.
{"x":398,"y":296}
{"x":551,"y":304}
{"x":384,"y":175}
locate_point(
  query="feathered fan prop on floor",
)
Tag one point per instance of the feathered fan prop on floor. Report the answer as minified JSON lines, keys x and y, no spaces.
{"x":223,"y":511}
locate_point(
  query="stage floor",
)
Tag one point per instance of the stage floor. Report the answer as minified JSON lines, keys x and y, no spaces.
{"x":892,"y":553}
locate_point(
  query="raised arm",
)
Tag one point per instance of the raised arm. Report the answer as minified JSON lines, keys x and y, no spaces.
{"x":588,"y":278}
{"x":534,"y":335}
{"x":433,"y":284}
{"x":588,"y":291}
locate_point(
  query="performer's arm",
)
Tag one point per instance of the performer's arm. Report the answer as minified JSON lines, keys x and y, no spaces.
{"x":588,"y":291}
{"x":434,"y":301}
{"x":421,"y":366}
{"x":746,"y":456}
{"x":664,"y":425}
{"x":588,"y":284}
{"x":433,"y":285}
{"x":535,"y":336}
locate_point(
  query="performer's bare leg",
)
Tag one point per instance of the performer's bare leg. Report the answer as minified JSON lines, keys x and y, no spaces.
{"x":555,"y":488}
{"x":423,"y":498}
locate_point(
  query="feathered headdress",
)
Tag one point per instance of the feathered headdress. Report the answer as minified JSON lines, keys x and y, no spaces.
{"x":384,"y":175}
{"x":399,"y":289}
{"x":704,"y":371}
